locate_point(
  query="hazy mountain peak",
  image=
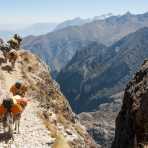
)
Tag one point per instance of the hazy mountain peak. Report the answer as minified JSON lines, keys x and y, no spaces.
{"x":104,"y":16}
{"x":73,"y":22}
{"x":33,"y":29}
{"x":128,"y":13}
{"x":67,"y":41}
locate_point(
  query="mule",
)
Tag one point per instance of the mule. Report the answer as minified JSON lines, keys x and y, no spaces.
{"x":17,"y":117}
{"x":12,"y":57}
{"x":7,"y":123}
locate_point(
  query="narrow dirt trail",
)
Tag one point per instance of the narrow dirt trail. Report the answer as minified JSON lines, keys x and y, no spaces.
{"x":33,"y":133}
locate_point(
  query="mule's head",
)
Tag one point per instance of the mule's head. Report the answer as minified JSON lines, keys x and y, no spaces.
{"x":23,"y":102}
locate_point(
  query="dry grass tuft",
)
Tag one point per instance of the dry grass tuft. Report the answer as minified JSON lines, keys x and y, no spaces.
{"x":61,"y":142}
{"x":79,"y":130}
{"x":50,"y":126}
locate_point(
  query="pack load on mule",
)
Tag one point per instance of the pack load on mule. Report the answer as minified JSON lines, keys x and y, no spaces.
{"x":15,"y":42}
{"x":12,"y":57}
{"x":10,"y":48}
{"x":17,"y":102}
{"x":19,"y":39}
{"x":19,"y":88}
{"x":5,"y":49}
{"x":18,"y":91}
{"x":1,"y":41}
{"x":9,"y":105}
{"x":3,"y":97}
{"x":13,"y":106}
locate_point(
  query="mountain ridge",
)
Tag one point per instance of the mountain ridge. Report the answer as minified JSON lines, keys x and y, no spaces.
{"x":106,"y":76}
{"x":65,"y":42}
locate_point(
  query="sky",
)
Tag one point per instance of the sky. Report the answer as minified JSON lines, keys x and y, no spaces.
{"x":34,"y":11}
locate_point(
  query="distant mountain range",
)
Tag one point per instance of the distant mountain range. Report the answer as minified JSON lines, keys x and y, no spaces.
{"x":35,"y":29}
{"x":79,"y":21}
{"x":59,"y":46}
{"x":97,"y":72}
{"x":7,"y":30}
{"x":38,"y":29}
{"x":6,"y":34}
{"x":74,"y":22}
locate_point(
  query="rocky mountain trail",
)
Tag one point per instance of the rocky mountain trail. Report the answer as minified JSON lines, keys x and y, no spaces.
{"x":48,"y":120}
{"x":33,"y":133}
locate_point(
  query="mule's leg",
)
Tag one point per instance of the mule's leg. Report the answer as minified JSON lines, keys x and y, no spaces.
{"x":10,"y":125}
{"x":4,"y":126}
{"x":15,"y":123}
{"x":18,"y":122}
{"x":18,"y":125}
{"x":4,"y":123}
{"x":13,"y":63}
{"x":15,"y":118}
{"x":5,"y":56}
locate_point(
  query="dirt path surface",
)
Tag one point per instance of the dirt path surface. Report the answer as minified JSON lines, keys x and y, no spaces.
{"x":33,"y":133}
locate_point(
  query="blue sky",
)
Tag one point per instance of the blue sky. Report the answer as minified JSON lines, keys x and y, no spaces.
{"x":32,"y":11}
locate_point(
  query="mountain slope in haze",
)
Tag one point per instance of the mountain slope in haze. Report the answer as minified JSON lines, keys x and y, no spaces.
{"x":79,"y":21}
{"x":90,"y":79}
{"x":6,"y":34}
{"x":48,"y":119}
{"x":74,"y":22}
{"x":37,"y":29}
{"x":58,"y":47}
{"x":83,"y":66}
{"x":7,"y":30}
{"x":34,"y":29}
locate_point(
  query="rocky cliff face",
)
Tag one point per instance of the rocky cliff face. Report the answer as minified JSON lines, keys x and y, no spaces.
{"x":132,"y":121}
{"x":48,"y":120}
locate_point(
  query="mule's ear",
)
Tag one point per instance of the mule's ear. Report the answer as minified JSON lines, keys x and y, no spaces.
{"x":26,"y":100}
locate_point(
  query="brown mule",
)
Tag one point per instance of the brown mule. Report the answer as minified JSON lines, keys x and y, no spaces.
{"x":12,"y":57}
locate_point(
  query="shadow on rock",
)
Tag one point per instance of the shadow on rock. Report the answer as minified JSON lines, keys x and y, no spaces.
{"x":2,"y":60}
{"x":7,"y":68}
{"x":5,"y":137}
